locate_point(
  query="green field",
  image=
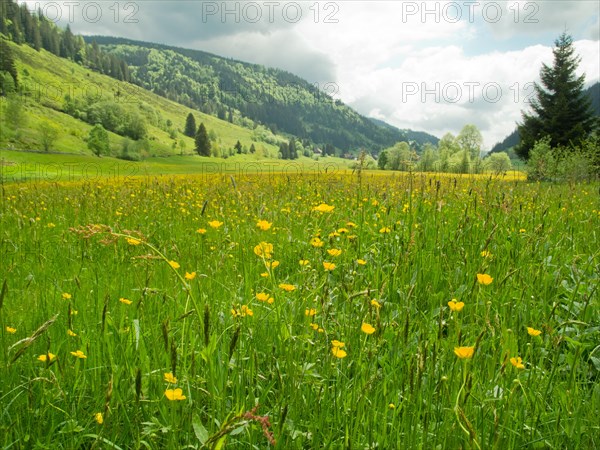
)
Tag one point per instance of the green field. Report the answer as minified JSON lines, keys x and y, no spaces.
{"x":307,"y":310}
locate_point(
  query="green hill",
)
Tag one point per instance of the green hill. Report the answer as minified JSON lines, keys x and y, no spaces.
{"x":64,"y":97}
{"x":238,"y":91}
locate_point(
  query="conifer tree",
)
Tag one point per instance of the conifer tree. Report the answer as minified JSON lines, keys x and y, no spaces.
{"x":202,"y":141}
{"x":560,"y":109}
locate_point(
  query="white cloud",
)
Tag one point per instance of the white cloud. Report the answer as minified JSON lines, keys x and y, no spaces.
{"x":378,"y":51}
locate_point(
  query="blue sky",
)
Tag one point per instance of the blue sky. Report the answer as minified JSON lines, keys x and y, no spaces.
{"x":432,"y":66}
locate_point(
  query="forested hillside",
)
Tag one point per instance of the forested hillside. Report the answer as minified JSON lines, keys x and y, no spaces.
{"x":230,"y":89}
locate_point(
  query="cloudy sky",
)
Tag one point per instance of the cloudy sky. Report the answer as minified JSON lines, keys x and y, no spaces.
{"x":426,"y":65}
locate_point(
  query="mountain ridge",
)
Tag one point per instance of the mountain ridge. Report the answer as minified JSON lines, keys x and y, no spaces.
{"x":235,"y":90}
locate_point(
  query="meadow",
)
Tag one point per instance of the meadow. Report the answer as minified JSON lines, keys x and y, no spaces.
{"x":316,"y":309}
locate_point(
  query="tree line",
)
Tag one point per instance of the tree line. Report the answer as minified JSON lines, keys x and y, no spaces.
{"x":21,"y":26}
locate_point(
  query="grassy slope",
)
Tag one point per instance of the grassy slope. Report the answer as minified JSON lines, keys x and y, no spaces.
{"x":48,"y":78}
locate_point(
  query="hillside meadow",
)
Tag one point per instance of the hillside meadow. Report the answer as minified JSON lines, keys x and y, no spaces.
{"x":314,"y":309}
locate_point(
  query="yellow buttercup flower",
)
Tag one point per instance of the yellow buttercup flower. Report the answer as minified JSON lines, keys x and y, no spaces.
{"x":385,"y":230}
{"x":464,"y":352}
{"x":324,"y":208}
{"x":272,"y":264}
{"x":484,"y":278}
{"x":190,"y":276}
{"x":133,"y":241}
{"x":375,"y":304}
{"x":338,"y":352}
{"x":316,"y":242}
{"x":66,"y":296}
{"x":287,"y":287}
{"x":215,"y":224}
{"x":48,"y":357}
{"x":170,"y":378}
{"x":264,"y":250}
{"x":486,"y":254}
{"x":263,"y":297}
{"x":78,"y":354}
{"x":71,"y":333}
{"x":125,"y":301}
{"x":201,"y":231}
{"x":310,"y":312}
{"x":367,"y":328}
{"x":304,"y":262}
{"x":456,"y":306}
{"x":174,"y":264}
{"x":328,"y":266}
{"x":264,"y":225}
{"x":334,"y":252}
{"x":99,"y":418}
{"x":517,"y":362}
{"x":175,"y":394}
{"x":361,"y":262}
{"x":533,"y":331}
{"x":336,"y":343}
{"x":11,"y":330}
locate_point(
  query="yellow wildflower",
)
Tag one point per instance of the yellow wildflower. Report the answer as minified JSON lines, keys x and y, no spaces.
{"x":361,"y":262}
{"x":71,"y":333}
{"x":304,"y":262}
{"x":287,"y":287}
{"x":175,"y":394}
{"x":264,"y":250}
{"x":79,"y":354}
{"x":66,"y":296}
{"x":99,"y":418}
{"x":456,"y":306}
{"x":517,"y":362}
{"x":11,"y":330}
{"x":375,"y":304}
{"x":484,"y":278}
{"x":174,"y":264}
{"x":385,"y":230}
{"x":190,"y":276}
{"x":328,"y":266}
{"x":310,"y":312}
{"x":264,"y":225}
{"x":338,"y":352}
{"x":125,"y":301}
{"x":334,"y":252}
{"x":324,"y":208}
{"x":48,"y":357}
{"x":215,"y":224}
{"x":367,"y":328}
{"x":201,"y":231}
{"x":464,"y":352}
{"x":533,"y":331}
{"x":170,"y":378}
{"x":316,"y":242}
{"x":133,"y":241}
{"x":272,"y":264}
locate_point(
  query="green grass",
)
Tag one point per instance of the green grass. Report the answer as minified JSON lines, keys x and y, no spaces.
{"x":18,"y":166}
{"x":423,"y":239}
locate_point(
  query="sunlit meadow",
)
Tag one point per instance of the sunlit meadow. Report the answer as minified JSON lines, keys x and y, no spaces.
{"x":307,"y":311}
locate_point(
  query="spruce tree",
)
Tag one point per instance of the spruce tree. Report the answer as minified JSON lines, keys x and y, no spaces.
{"x":560,"y":109}
{"x":7,"y":61}
{"x":190,"y":126}
{"x":202,"y":141}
